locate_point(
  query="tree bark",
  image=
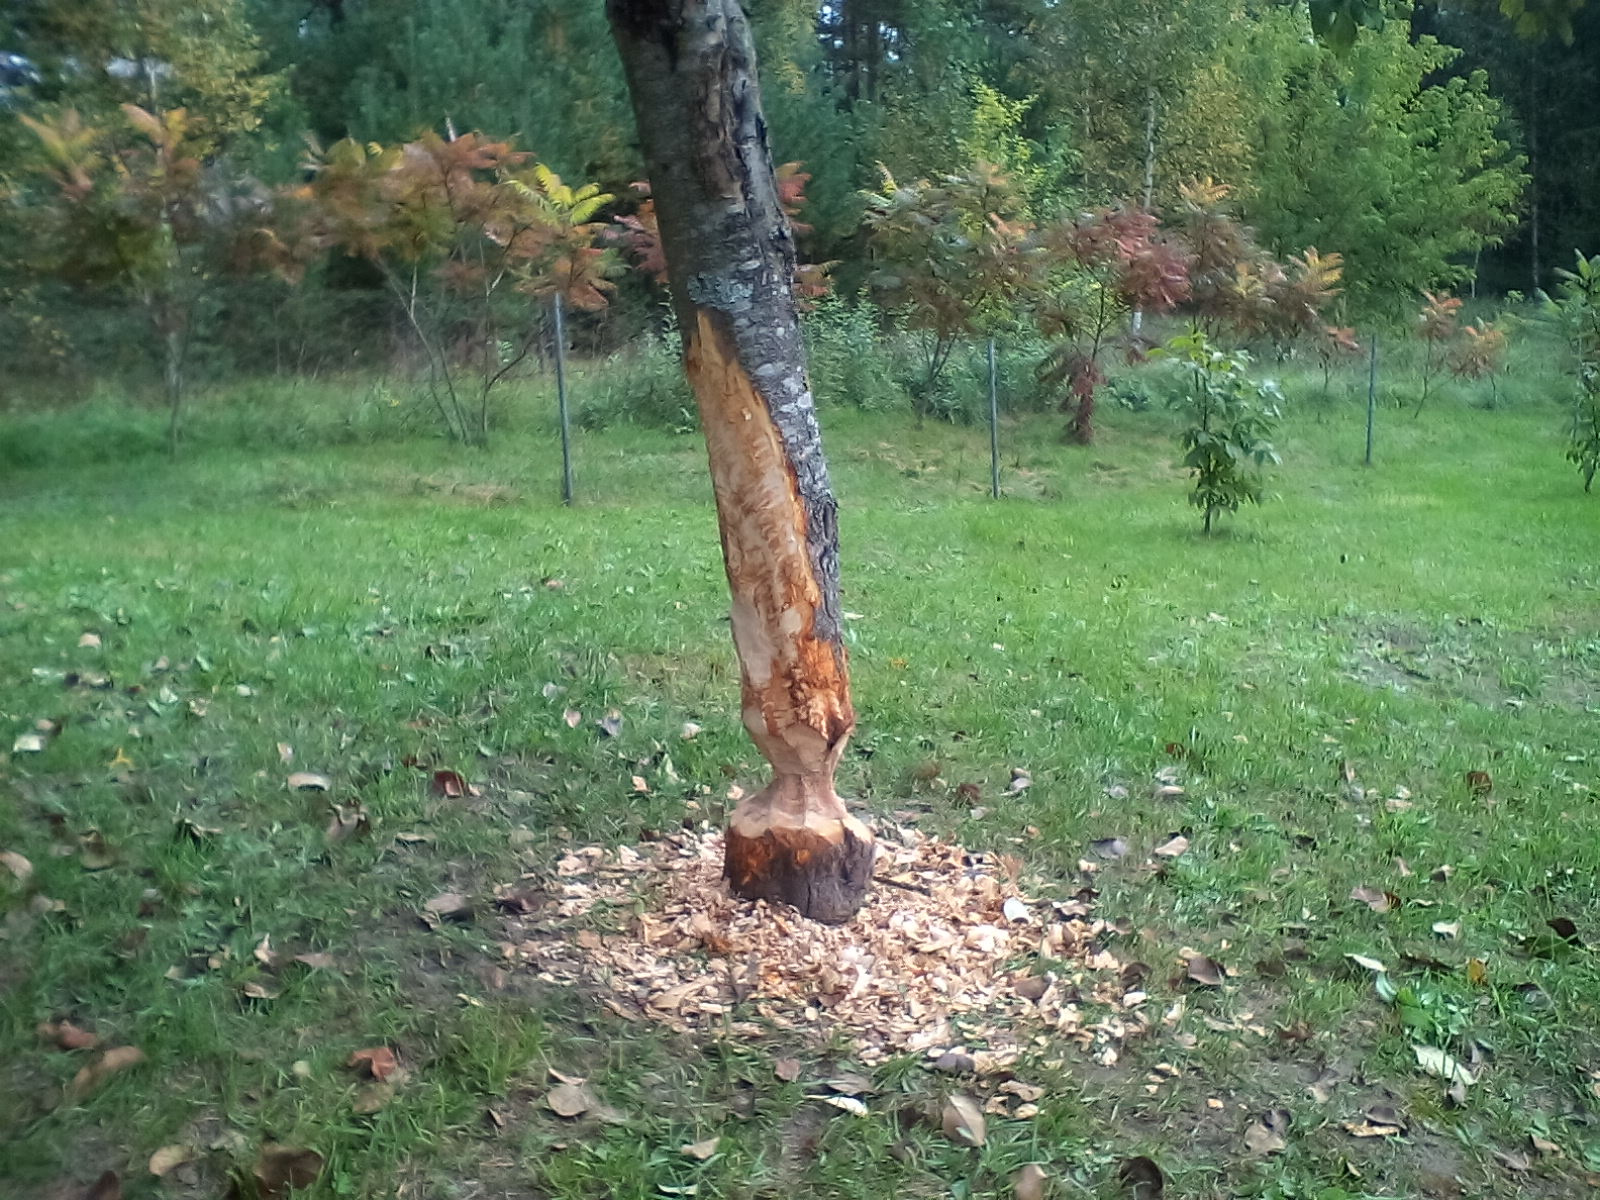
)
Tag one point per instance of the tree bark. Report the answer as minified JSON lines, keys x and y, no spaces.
{"x":690,"y":66}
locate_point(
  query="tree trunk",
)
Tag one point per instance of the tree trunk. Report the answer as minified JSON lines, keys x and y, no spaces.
{"x":690,"y":66}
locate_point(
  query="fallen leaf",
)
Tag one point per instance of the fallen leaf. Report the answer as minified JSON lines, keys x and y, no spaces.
{"x":92,"y":1076}
{"x":610,"y":724}
{"x":449,"y":784}
{"x":1479,"y":783}
{"x":376,"y":1062}
{"x":68,"y":1036}
{"x":89,"y":641}
{"x":1370,"y":1129}
{"x":1111,"y":847}
{"x":449,"y":906}
{"x":348,"y":821}
{"x":1513,"y":1160}
{"x":28,"y":743}
{"x":1205,"y":971}
{"x":169,"y":1157}
{"x":1371,"y":964}
{"x":568,"y":1101}
{"x":1030,"y":1182}
{"x":701,"y":1151}
{"x":848,"y":1083}
{"x":962,"y":1121}
{"x":93,"y":853}
{"x":320,"y":961}
{"x":786,"y":1069}
{"x":1447,"y":929}
{"x":1266,"y":1134}
{"x":20,"y":868}
{"x":1565,"y":929}
{"x":1014,"y":910}
{"x":285,"y":753}
{"x":370,"y":1098}
{"x":1174,"y":846}
{"x":1436,"y":1062}
{"x":1544,"y":1145}
{"x":847,"y":1104}
{"x":309,"y":781}
{"x":1143,"y":1178}
{"x":640,"y":786}
{"x":1378,"y":900}
{"x":690,"y":731}
{"x":255,"y":990}
{"x":280,"y":1168}
{"x":572,"y":717}
{"x":264,"y":953}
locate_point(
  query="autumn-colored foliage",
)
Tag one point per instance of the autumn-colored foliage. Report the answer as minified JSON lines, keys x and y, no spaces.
{"x":949,"y":257}
{"x":457,"y":227}
{"x":1096,"y":269}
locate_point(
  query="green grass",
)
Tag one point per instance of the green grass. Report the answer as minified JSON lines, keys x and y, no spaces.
{"x":390,"y":602}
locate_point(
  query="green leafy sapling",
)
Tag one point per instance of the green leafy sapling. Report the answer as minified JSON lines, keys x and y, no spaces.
{"x":1231,"y":419}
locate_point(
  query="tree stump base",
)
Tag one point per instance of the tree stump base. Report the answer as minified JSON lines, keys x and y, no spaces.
{"x":822,"y":867}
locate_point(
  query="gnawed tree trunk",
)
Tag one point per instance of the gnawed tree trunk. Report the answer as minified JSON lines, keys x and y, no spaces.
{"x":691,"y":70}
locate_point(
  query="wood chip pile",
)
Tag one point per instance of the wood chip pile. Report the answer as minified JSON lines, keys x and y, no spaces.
{"x":952,"y":953}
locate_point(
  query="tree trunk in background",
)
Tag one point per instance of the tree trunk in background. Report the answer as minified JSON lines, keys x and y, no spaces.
{"x":690,"y":66}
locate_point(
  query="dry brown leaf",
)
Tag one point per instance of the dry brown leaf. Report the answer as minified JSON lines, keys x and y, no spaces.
{"x":449,"y":784}
{"x":170,"y":1157}
{"x":256,"y":990}
{"x":21,"y":869}
{"x":1111,"y":847}
{"x":371,"y":1097}
{"x":1205,"y":971}
{"x":1174,"y":846}
{"x":1544,"y":1145}
{"x":449,"y":906}
{"x":280,"y":1168}
{"x":1447,"y":929}
{"x":264,"y":953}
{"x":89,"y":641}
{"x":1143,"y":1178}
{"x":786,"y":1069}
{"x":92,"y":1076}
{"x":1436,"y":1062}
{"x":1378,"y":900}
{"x":93,"y":853}
{"x":572,"y":717}
{"x":1030,"y":1182}
{"x":847,"y":1104}
{"x":962,"y":1121}
{"x":320,"y":961}
{"x":28,"y":743}
{"x":1513,"y":1160}
{"x":285,"y":753}
{"x":565,"y":1100}
{"x":701,"y":1151}
{"x":309,"y":781}
{"x":376,"y":1062}
{"x":1267,"y":1134}
{"x":67,"y":1036}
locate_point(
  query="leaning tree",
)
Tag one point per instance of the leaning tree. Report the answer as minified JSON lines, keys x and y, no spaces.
{"x":691,"y":72}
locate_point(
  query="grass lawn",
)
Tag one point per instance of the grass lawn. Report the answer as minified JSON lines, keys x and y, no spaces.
{"x":1383,"y":679}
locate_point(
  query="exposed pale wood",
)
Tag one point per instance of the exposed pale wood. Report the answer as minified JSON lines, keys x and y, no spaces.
{"x":690,"y":66}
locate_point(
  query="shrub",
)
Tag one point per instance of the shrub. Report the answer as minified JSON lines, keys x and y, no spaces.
{"x":1231,"y":419}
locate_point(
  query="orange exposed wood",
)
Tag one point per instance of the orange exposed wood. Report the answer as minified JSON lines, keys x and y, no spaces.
{"x":793,"y":840}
